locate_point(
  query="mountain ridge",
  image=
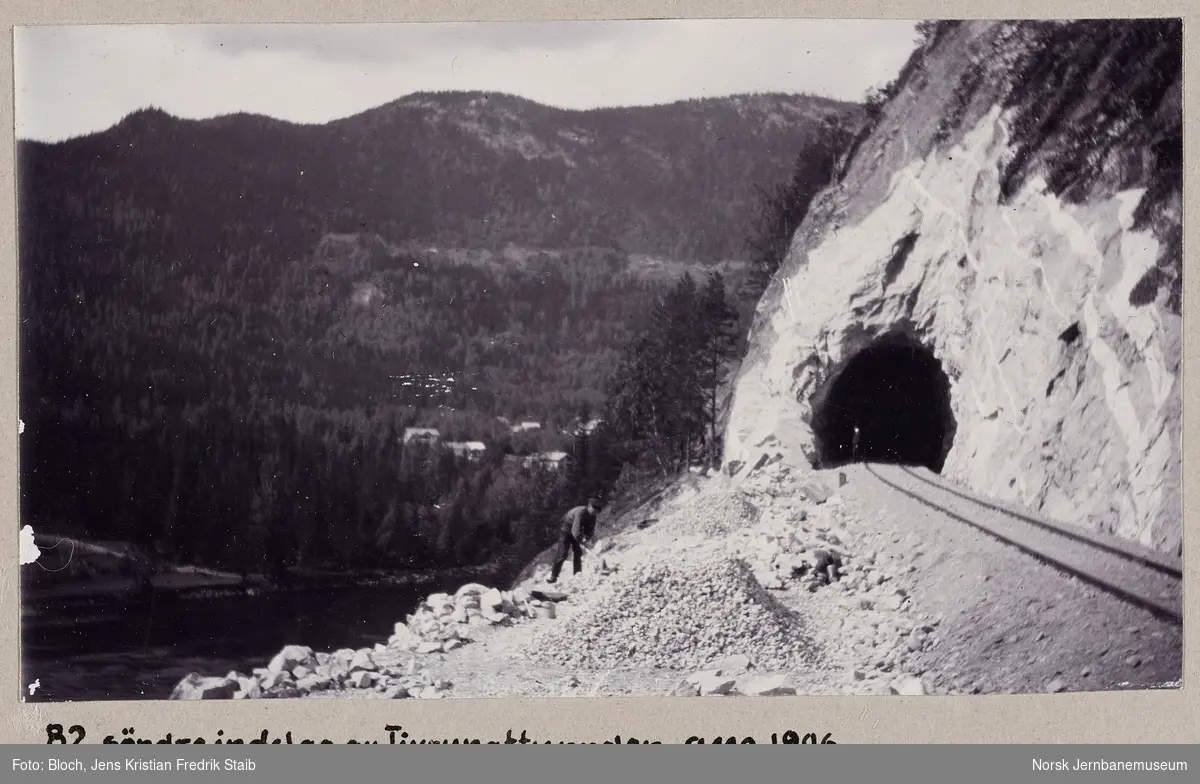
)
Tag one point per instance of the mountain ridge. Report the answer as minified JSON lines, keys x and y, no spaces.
{"x":411,"y":100}
{"x":179,"y":234}
{"x":676,"y":180}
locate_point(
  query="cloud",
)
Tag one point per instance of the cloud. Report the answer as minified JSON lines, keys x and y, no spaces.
{"x":396,"y":43}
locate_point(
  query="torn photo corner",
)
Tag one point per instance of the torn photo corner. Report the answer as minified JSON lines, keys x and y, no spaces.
{"x":855,"y":343}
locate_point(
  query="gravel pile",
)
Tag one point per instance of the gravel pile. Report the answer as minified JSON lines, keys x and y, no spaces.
{"x":676,"y":614}
{"x":714,"y":513}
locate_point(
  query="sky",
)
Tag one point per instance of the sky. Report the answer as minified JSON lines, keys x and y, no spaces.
{"x":76,"y":80}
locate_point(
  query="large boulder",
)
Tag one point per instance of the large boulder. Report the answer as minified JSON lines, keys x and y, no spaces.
{"x":471,"y":589}
{"x":198,"y":687}
{"x":274,"y":680}
{"x":363,"y":661}
{"x":315,"y":683}
{"x":291,"y":657}
{"x":362,"y":679}
{"x":793,"y":564}
{"x":249,"y":687}
{"x":736,"y":665}
{"x":494,"y":617}
{"x":403,"y":638}
{"x":492,"y":600}
{"x":469,"y":601}
{"x":440,"y":604}
{"x":712,"y":682}
{"x":815,"y":491}
{"x":908,"y":686}
{"x":685,"y":688}
{"x":764,"y":686}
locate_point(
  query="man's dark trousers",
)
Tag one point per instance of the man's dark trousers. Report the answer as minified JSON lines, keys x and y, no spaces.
{"x":567,"y":543}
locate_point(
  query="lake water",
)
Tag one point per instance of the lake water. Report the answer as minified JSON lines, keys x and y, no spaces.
{"x":140,"y":651}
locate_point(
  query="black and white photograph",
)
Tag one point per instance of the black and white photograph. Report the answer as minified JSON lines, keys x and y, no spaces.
{"x":633,"y":358}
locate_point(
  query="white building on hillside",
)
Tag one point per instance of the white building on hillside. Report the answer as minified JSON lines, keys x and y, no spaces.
{"x":554,"y":461}
{"x":421,"y":435}
{"x":472,"y":450}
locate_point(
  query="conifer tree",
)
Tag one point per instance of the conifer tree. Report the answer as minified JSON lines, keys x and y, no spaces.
{"x":657,"y":403}
{"x":782,"y":207}
{"x":719,"y":322}
{"x":680,"y":399}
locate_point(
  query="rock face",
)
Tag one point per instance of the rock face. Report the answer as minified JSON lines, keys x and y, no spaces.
{"x":1011,"y":226}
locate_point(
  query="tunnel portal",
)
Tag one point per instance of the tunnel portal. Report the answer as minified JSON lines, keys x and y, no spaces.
{"x":899,"y":397}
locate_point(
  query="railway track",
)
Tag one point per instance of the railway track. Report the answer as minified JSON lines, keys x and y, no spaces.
{"x":1134,"y":574}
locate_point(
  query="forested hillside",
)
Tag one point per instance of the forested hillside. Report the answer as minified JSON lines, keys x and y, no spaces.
{"x":228,"y":321}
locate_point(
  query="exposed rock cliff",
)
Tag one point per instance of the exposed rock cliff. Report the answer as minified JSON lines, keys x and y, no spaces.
{"x":993,"y":287}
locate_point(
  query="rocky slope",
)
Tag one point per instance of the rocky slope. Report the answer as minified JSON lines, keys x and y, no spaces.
{"x":767,"y":583}
{"x":717,"y":596}
{"x":1013,"y":215}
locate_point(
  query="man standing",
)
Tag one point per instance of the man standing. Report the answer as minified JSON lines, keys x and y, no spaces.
{"x":577,"y":529}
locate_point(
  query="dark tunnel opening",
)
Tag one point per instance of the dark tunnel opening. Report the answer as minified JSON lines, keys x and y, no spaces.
{"x":899,"y":397}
